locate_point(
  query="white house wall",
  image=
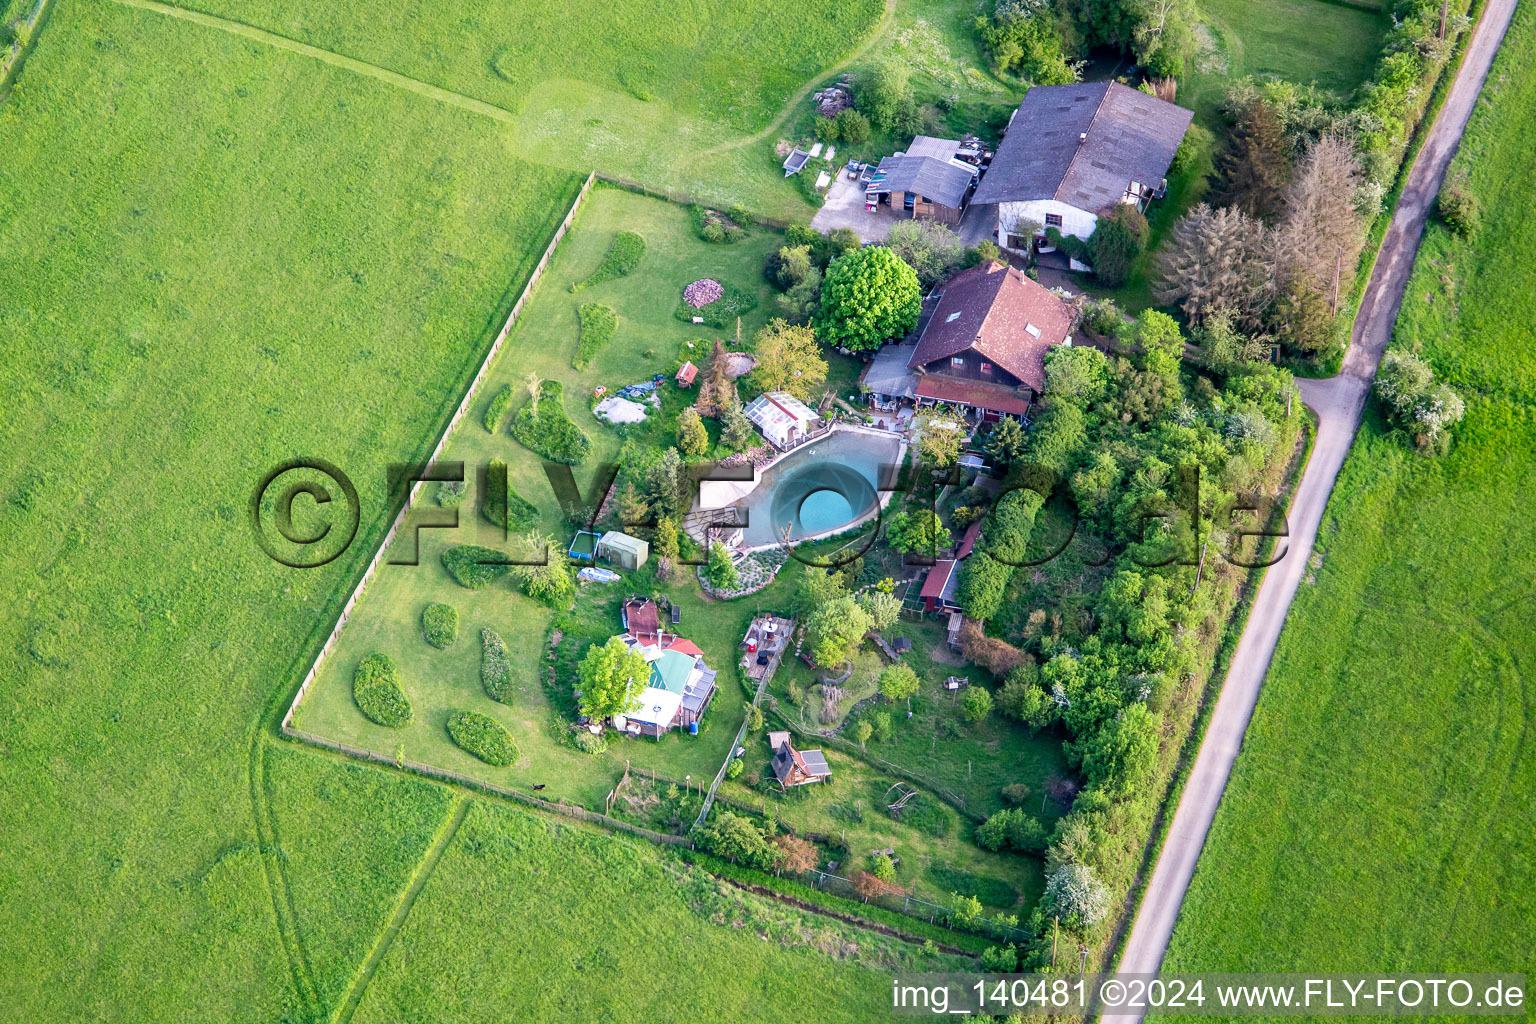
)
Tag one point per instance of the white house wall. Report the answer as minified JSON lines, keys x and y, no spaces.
{"x":1073,"y":220}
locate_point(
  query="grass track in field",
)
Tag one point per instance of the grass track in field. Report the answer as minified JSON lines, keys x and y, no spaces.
{"x":1379,"y":815}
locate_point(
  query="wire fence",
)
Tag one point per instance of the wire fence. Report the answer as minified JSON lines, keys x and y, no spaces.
{"x":470,"y":393}
{"x":762,"y":687}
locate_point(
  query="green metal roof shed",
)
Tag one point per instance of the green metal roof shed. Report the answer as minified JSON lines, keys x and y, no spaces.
{"x":623,"y":550}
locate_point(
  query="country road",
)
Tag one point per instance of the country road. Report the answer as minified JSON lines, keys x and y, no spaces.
{"x":1339,"y":403}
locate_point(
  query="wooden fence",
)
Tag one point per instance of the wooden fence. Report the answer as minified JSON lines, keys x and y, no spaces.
{"x":470,"y":393}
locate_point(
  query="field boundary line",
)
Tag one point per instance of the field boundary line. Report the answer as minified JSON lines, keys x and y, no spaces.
{"x":331,"y":57}
{"x":470,"y":393}
{"x":283,"y":908}
{"x":419,"y":877}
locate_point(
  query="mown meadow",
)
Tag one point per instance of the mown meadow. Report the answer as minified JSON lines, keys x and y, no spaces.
{"x":648,"y":90}
{"x":216,"y":255}
{"x":1379,"y":815}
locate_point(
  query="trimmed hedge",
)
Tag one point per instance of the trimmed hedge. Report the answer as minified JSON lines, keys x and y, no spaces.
{"x":473,"y":566}
{"x":497,"y":408}
{"x":440,"y":625}
{"x":503,"y":506}
{"x":723,"y":311}
{"x":495,"y":671}
{"x":483,"y":737}
{"x":624,"y":255}
{"x":598,"y":322}
{"x":544,"y":427}
{"x":376,"y":689}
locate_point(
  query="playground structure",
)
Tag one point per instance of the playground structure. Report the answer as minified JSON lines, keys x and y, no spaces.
{"x":904,"y":794}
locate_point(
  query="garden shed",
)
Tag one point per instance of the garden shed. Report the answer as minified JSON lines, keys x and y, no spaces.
{"x":623,"y":550}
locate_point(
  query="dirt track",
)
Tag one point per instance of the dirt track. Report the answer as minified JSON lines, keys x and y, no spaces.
{"x":1339,"y":403}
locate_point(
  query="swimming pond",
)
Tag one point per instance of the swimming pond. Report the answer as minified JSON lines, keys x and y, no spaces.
{"x":824,"y":487}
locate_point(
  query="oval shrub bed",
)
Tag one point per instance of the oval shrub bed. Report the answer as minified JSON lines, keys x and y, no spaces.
{"x":483,"y":737}
{"x":473,"y":566}
{"x":440,"y":625}
{"x":495,"y":672}
{"x":376,"y":689}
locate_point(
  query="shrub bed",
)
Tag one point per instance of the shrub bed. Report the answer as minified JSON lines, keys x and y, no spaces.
{"x":732,"y":303}
{"x":376,"y":689}
{"x":598,"y":322}
{"x":440,"y":625}
{"x":624,"y":255}
{"x":495,"y":672}
{"x":720,"y":228}
{"x":483,"y":737}
{"x":503,"y":506}
{"x":497,"y":407}
{"x":473,"y":566}
{"x":544,"y":427}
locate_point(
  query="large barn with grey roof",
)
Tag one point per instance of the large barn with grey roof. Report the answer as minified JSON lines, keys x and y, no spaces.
{"x":1072,"y":153}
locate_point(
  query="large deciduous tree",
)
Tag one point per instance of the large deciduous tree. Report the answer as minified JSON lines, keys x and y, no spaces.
{"x":612,"y":677}
{"x":788,"y":359}
{"x":869,"y":296}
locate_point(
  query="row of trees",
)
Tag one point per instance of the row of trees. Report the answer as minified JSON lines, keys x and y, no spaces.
{"x":1276,"y":262}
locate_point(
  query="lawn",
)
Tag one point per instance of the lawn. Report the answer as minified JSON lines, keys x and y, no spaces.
{"x":648,"y":340}
{"x":608,"y":929}
{"x":932,"y":840}
{"x":1379,"y":815}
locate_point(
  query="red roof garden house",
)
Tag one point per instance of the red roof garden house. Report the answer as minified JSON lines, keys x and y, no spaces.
{"x":686,"y":373}
{"x":938,"y":593}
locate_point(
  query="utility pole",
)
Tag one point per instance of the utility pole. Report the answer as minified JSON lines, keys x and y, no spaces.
{"x":1443,"y":5}
{"x":1055,"y":934}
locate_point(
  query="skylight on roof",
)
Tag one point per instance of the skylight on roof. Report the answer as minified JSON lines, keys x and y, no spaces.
{"x":1032,"y":330}
{"x":953,"y":317}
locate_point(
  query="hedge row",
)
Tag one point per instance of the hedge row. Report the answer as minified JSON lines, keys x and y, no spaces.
{"x":376,"y":689}
{"x":483,"y":737}
{"x":723,"y":311}
{"x":544,"y":427}
{"x":495,"y":671}
{"x":497,"y":408}
{"x":440,"y":625}
{"x":598,"y":322}
{"x":624,"y":255}
{"x":473,"y":566}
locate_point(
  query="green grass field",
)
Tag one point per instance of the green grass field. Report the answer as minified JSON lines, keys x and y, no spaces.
{"x":1379,"y":815}
{"x":606,"y":929}
{"x":197,"y":283}
{"x":663,"y":93}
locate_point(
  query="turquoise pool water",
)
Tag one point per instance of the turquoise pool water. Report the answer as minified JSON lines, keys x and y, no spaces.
{"x":820,"y":488}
